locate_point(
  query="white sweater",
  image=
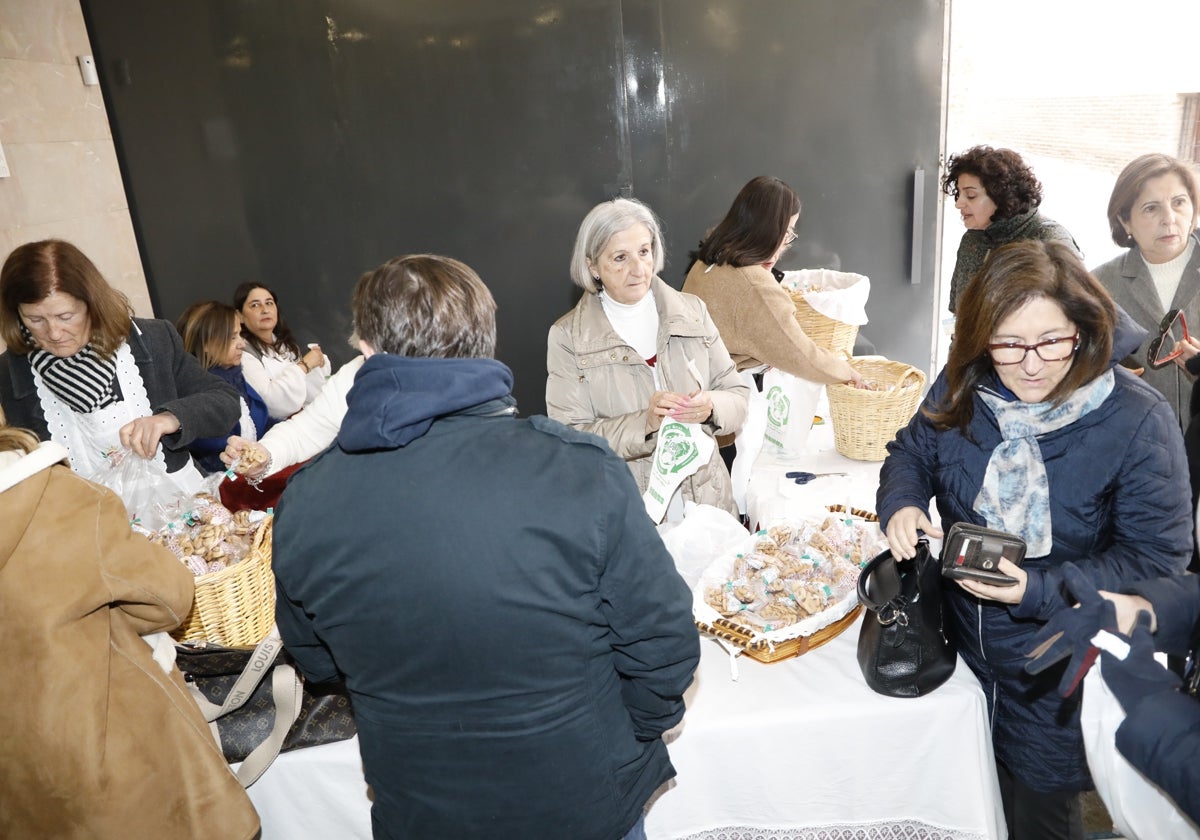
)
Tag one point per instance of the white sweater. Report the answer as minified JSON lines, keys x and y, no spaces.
{"x":310,"y":431}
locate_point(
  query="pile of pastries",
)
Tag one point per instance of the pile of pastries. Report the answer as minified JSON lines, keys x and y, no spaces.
{"x":794,"y":571}
{"x":208,"y":537}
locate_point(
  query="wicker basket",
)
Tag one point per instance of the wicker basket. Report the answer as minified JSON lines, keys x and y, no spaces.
{"x":864,"y":422}
{"x":763,"y":651}
{"x":823,"y":330}
{"x":235,"y":606}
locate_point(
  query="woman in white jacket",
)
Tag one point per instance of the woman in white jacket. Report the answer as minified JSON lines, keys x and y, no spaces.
{"x":273,"y":364}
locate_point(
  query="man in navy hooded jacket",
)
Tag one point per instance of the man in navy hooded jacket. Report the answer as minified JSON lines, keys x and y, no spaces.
{"x":513,"y":633}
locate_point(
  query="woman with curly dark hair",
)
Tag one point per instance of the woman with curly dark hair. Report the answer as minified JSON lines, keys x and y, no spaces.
{"x":998,"y":196}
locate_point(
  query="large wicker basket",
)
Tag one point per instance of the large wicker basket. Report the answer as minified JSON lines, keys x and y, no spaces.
{"x":235,"y":606}
{"x":865,"y":421}
{"x":823,"y":330}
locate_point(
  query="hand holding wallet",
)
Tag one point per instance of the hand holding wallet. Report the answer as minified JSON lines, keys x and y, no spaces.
{"x":972,"y":552}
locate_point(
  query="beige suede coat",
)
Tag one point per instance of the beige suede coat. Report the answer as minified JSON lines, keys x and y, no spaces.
{"x":98,"y":741}
{"x":598,"y":383}
{"x":757,"y":320}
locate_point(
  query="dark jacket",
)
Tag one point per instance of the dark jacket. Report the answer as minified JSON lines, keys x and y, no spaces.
{"x":975,"y":245}
{"x":174,"y":380}
{"x":513,"y":632}
{"x":207,"y":451}
{"x":1162,"y":738}
{"x":1119,"y":511}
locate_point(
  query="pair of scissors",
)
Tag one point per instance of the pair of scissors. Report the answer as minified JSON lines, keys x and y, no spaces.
{"x":805,"y":477}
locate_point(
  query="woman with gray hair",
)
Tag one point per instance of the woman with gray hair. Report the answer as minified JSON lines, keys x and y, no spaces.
{"x":635,"y":352}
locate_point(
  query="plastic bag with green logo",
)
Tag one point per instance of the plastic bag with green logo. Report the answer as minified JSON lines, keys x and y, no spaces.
{"x":791,"y":403}
{"x":681,"y":450}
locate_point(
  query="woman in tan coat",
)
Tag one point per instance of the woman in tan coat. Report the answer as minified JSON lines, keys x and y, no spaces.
{"x":99,"y":741}
{"x":618,"y":363}
{"x":732,"y":275}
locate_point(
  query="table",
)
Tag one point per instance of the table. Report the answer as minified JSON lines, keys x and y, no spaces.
{"x":800,"y":748}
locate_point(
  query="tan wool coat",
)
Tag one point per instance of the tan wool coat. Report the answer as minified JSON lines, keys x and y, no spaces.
{"x":598,"y":383}
{"x":757,"y":320}
{"x":99,"y":742}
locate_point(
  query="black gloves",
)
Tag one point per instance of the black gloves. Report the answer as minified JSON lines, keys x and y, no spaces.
{"x":1069,"y":632}
{"x":1139,"y":675}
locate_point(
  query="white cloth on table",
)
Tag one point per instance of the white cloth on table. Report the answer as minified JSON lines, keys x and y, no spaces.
{"x":803,"y":748}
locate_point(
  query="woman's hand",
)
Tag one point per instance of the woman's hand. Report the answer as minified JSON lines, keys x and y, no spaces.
{"x":697,"y":408}
{"x":1003,"y":594}
{"x":667,"y":404}
{"x":314,"y":358}
{"x":856,"y":379}
{"x":236,"y":447}
{"x":1190,"y":347}
{"x":1128,"y":606}
{"x":143,"y":434}
{"x":902,"y":530}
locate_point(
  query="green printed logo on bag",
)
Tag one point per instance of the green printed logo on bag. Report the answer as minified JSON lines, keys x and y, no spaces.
{"x":778,"y":407}
{"x":676,"y":448}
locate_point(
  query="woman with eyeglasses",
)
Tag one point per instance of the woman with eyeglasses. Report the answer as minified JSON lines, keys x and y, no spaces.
{"x":1034,"y":429}
{"x":731,"y":272}
{"x":998,"y":196}
{"x":1153,"y":213}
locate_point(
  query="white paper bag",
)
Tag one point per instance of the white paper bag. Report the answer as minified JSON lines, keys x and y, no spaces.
{"x":681,"y":450}
{"x":791,"y":404}
{"x":1139,"y":809}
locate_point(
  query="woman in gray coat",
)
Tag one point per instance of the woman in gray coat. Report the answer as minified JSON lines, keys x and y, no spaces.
{"x":634,"y":352}
{"x":1152,"y":213}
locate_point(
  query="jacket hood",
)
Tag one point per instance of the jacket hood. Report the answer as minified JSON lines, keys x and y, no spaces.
{"x":395,"y":399}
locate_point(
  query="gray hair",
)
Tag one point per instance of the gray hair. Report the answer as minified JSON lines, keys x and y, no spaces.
{"x":599,"y":226}
{"x":425,"y":306}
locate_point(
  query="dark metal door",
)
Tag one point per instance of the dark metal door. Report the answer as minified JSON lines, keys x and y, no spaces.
{"x":301,"y":144}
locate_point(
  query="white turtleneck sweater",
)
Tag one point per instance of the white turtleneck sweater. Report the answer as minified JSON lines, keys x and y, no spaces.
{"x":636,"y":324}
{"x":1166,"y":276}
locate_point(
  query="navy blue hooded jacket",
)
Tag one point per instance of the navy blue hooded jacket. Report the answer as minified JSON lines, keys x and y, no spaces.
{"x":513,"y":633}
{"x":1119,"y":506}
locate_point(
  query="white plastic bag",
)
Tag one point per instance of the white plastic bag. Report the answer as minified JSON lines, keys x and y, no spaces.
{"x":699,"y":538}
{"x":1139,"y":809}
{"x":791,"y":404}
{"x":149,"y":494}
{"x":681,"y":450}
{"x":839,"y":295}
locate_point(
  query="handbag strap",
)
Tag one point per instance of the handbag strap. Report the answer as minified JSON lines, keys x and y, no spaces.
{"x":879,"y":581}
{"x":287,"y":691}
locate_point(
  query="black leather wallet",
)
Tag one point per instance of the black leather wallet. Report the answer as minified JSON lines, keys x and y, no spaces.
{"x":973,"y":552}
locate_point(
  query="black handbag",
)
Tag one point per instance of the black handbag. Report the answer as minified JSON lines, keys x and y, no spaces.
{"x":257,"y":717}
{"x":903,"y":649}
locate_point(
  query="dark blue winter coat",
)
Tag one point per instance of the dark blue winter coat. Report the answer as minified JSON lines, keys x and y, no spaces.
{"x":207,"y":451}
{"x":1119,"y":507}
{"x":1162,"y":738}
{"x":512,"y":630}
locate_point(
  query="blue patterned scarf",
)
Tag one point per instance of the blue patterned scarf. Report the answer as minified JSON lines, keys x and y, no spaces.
{"x":1015,"y":496}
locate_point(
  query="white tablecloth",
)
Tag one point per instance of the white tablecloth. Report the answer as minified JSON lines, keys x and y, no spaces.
{"x":800,"y":748}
